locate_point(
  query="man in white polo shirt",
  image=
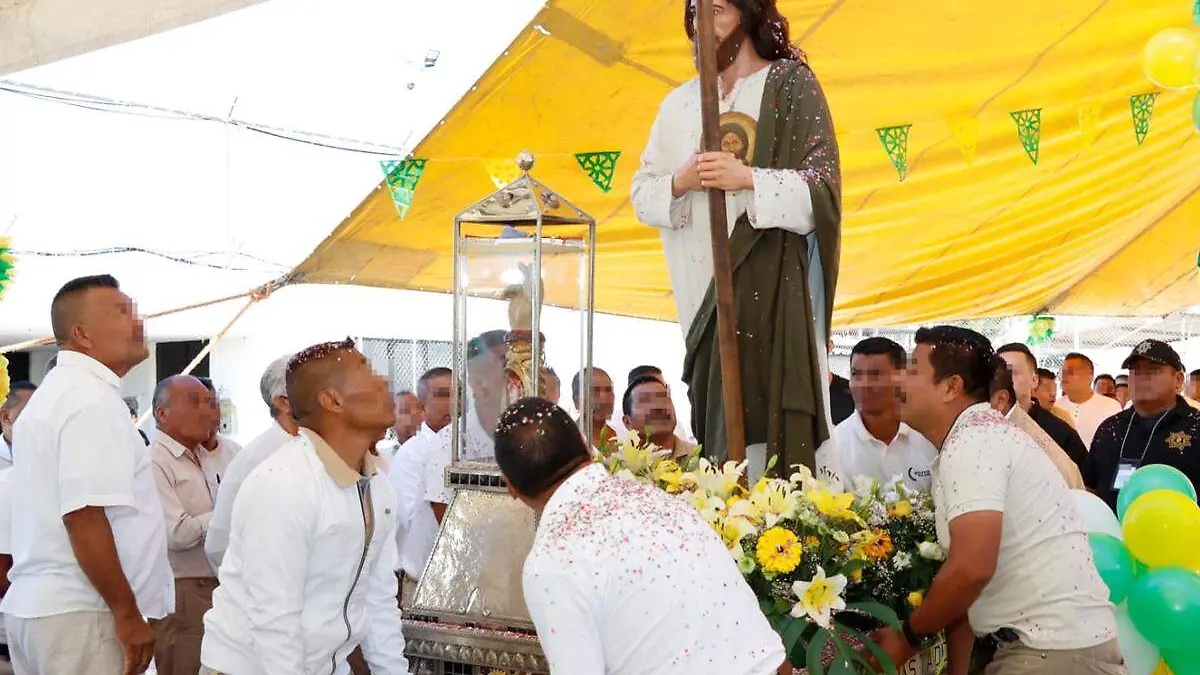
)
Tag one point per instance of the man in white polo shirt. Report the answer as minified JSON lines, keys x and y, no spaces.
{"x":90,"y":550}
{"x":1018,"y":563}
{"x":873,"y":441}
{"x":1087,"y":408}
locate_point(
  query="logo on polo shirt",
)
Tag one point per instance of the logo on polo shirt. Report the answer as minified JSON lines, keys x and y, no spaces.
{"x":916,"y":474}
{"x":1179,"y":441}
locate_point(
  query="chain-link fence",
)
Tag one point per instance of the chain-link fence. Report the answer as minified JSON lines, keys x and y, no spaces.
{"x":403,"y":362}
{"x":1106,"y":340}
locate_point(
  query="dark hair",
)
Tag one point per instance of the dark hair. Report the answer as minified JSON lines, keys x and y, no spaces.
{"x":881,"y":346}
{"x":577,"y":381}
{"x":1046,"y":374}
{"x":208,"y":384}
{"x":308,"y":372}
{"x":485,"y":341}
{"x":765,"y":27}
{"x":1019,"y":348}
{"x":638,"y":372}
{"x":1194,"y":373}
{"x":537,"y":446}
{"x":962,"y":352}
{"x":627,"y":399}
{"x":64,"y":313}
{"x":14,"y":391}
{"x":1122,"y":384}
{"x":1003,"y":381}
{"x":1104,"y":376}
{"x":1080,"y":357}
{"x":423,"y":382}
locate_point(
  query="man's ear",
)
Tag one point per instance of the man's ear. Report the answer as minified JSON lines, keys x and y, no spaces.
{"x":330,"y":399}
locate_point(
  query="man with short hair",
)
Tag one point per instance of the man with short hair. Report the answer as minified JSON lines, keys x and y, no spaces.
{"x":1006,"y":400}
{"x":1086,"y":407}
{"x":622,"y":577}
{"x":638,"y":372}
{"x":1192,"y":388}
{"x":1046,"y":394}
{"x":487,"y":386}
{"x":309,"y":571}
{"x":1160,"y":427}
{"x":90,"y":550}
{"x":19,"y":393}
{"x":1105,"y":385}
{"x":187,"y":476}
{"x":416,"y":525}
{"x":272,"y":387}
{"x":553,"y":385}
{"x":1018,"y":564}
{"x":1022,"y":365}
{"x":1121,"y":393}
{"x":874,"y":441}
{"x":216,"y":439}
{"x":603,"y":406}
{"x":409,"y":418}
{"x":650,"y":412}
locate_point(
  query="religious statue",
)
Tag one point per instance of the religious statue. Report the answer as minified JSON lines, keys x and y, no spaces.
{"x":780,"y":171}
{"x":518,"y":367}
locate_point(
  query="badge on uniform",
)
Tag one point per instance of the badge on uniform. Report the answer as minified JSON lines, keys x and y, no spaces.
{"x":1125,"y":469}
{"x":1179,"y":441}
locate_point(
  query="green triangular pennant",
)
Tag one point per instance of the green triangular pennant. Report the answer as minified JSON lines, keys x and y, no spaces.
{"x":1029,"y":130}
{"x":895,"y":142}
{"x":600,"y":167}
{"x":402,"y":177}
{"x":1142,"y":107}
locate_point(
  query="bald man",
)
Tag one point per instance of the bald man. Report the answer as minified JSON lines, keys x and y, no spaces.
{"x":308,"y":575}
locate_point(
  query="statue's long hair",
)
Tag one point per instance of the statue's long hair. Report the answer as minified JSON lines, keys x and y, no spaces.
{"x":766,"y":28}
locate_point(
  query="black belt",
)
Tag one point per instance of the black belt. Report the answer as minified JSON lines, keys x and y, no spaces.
{"x":1004,"y":636}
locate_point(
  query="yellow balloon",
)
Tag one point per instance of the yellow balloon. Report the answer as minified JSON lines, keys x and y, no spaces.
{"x":1170,"y":58}
{"x":1162,"y":669}
{"x":1162,"y":529}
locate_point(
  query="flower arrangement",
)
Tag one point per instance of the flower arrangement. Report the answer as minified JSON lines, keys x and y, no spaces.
{"x":827,"y":566}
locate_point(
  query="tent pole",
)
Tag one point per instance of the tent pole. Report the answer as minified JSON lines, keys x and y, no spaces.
{"x":731,"y":373}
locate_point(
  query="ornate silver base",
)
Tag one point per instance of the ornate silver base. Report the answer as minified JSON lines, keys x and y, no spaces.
{"x":445,"y":649}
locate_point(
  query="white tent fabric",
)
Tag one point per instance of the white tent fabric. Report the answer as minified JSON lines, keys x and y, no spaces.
{"x":239,"y":206}
{"x":35,"y":32}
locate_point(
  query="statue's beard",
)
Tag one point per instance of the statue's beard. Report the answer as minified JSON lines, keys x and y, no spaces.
{"x":727,"y":49}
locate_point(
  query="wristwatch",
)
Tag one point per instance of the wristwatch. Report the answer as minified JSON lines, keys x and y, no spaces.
{"x":911,"y":635}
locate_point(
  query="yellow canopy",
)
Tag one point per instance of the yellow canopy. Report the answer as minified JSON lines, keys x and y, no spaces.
{"x":1100,"y":225}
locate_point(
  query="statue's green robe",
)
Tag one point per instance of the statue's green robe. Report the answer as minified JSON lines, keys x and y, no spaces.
{"x":775,"y":272}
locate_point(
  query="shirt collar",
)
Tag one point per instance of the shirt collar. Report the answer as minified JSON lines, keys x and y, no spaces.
{"x":74,"y":359}
{"x":860,"y":429}
{"x":973,"y":415}
{"x":169,"y":444}
{"x":574,"y":489}
{"x":335,"y":466}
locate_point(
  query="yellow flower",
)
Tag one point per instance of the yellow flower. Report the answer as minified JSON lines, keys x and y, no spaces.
{"x":902,"y":509}
{"x":856,"y":576}
{"x":819,"y":598}
{"x":834,"y":505}
{"x":873,"y":545}
{"x":811,"y":542}
{"x":915,"y":599}
{"x":778,"y":551}
{"x":667,"y":474}
{"x":733,"y":530}
{"x":4,"y":381}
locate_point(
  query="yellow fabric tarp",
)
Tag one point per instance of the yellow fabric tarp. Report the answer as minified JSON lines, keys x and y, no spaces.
{"x":1100,"y":225}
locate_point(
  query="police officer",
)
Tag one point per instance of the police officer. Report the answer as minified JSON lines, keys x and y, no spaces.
{"x":1159,"y":428}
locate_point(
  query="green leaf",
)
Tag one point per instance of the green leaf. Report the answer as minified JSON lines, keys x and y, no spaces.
{"x":841,"y":666}
{"x":793,"y":628}
{"x":885,"y":662}
{"x":813,"y":660}
{"x":767,"y":605}
{"x":782,"y":606}
{"x":880,"y":611}
{"x":852,"y":567}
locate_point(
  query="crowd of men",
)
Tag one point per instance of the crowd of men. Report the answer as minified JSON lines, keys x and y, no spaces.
{"x":295,"y":553}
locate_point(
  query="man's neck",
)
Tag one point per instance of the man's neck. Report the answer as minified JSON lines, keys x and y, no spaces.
{"x":747,"y":63}
{"x":1153,"y":409}
{"x":350,"y":444}
{"x":666,"y":440}
{"x":118,"y":369}
{"x":1083,"y":398}
{"x":883,"y":426}
{"x":287,"y":423}
{"x":1027,"y":402}
{"x":190,"y":445}
{"x":940,"y":429}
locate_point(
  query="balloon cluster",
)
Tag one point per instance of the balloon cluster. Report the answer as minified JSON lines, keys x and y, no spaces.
{"x":1148,"y":555}
{"x":1172,"y":61}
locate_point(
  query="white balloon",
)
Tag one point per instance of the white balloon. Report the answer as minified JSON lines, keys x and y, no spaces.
{"x":1097,"y":516}
{"x":1141,"y":657}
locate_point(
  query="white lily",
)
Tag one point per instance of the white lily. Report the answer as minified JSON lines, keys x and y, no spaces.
{"x":931,"y":550}
{"x":819,"y":598}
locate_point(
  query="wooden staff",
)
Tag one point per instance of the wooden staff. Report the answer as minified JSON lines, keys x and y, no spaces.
{"x":731,"y":372}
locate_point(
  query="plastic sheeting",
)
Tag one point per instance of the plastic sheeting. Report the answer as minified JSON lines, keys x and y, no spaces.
{"x":1100,"y":225}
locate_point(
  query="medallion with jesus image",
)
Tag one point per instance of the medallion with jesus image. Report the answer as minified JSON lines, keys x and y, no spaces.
{"x":737,"y":135}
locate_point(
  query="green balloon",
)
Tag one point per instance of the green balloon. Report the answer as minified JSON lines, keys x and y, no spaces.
{"x":1165,"y":607}
{"x":1196,"y":112}
{"x":1150,"y":478}
{"x":1116,"y":565}
{"x":1186,"y":662}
